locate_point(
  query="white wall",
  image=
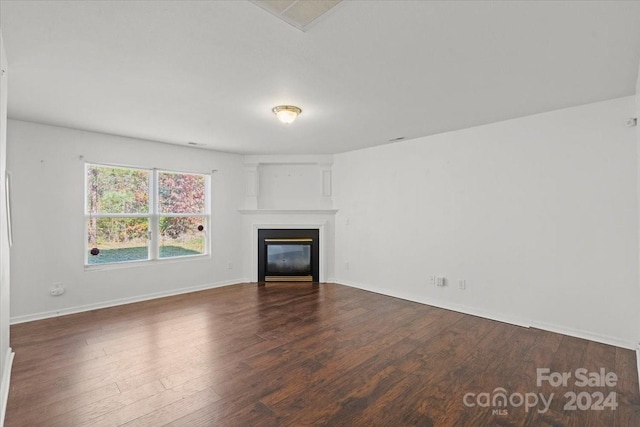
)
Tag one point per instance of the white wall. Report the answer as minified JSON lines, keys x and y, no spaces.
{"x":6,"y":355}
{"x":289,"y":186}
{"x":47,"y":176}
{"x":537,"y":214}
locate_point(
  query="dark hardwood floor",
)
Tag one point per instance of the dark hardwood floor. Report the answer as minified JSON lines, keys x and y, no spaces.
{"x":300,"y":354}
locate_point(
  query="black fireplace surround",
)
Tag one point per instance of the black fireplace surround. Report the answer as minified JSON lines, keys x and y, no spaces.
{"x":288,"y":255}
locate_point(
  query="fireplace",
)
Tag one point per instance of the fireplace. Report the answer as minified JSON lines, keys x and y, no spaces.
{"x":288,"y":255}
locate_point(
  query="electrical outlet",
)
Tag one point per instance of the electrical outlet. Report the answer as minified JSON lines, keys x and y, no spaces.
{"x":441,"y":281}
{"x":230,"y":265}
{"x":346,"y":265}
{"x":462,"y":284}
{"x":432,"y":280}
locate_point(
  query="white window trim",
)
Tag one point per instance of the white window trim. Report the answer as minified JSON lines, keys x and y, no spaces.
{"x":154,"y":217}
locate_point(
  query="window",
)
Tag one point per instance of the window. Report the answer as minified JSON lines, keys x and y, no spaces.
{"x":142,"y":214}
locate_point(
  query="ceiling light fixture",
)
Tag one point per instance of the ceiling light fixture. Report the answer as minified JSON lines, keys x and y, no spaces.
{"x":286,"y":113}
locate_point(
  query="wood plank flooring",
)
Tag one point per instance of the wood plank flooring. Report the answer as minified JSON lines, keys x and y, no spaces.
{"x":299,"y":354}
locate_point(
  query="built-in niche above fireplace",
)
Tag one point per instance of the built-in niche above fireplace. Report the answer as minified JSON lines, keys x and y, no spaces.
{"x":288,"y":255}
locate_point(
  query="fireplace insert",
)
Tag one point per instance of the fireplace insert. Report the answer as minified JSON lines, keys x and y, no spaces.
{"x":288,"y":255}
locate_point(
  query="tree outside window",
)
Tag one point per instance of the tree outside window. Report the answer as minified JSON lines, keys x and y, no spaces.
{"x":141,"y":214}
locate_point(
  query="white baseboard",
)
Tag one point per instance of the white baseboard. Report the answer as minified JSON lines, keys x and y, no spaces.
{"x":78,"y":309}
{"x":4,"y":386}
{"x":591,"y":336}
{"x":501,"y":317}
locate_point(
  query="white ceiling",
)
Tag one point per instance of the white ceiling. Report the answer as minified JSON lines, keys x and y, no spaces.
{"x":364,"y":73}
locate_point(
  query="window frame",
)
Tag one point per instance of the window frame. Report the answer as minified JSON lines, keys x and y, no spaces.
{"x":153,"y":217}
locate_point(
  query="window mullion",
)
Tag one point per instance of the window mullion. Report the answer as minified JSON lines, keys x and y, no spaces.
{"x":154,"y":228}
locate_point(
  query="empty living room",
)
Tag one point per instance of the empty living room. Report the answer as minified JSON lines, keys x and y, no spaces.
{"x":319,"y":212}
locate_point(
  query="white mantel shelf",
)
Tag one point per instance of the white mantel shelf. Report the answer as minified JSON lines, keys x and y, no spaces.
{"x":288,"y":211}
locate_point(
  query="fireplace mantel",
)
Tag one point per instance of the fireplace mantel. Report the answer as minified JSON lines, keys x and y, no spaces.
{"x":288,"y":211}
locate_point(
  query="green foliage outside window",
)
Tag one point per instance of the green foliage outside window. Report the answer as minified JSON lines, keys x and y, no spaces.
{"x":114,"y":193}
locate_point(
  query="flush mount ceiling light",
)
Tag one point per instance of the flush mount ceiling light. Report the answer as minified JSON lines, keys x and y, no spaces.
{"x":286,"y":113}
